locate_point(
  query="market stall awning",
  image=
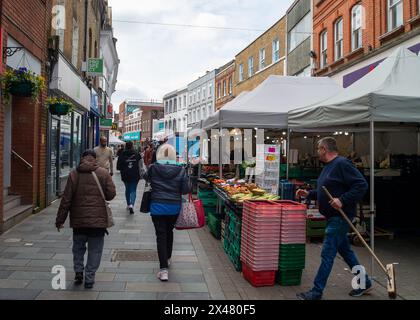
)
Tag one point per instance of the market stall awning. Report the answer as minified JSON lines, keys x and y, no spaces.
{"x":389,"y":93}
{"x":114,"y":140}
{"x":267,"y":105}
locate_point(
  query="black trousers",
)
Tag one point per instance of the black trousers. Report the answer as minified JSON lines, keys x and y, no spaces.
{"x":164,"y":226}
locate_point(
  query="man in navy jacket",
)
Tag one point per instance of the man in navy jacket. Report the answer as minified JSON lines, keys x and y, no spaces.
{"x":347,"y":186}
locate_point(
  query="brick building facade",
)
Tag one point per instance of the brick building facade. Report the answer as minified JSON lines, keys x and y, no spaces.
{"x":23,"y":122}
{"x":263,"y":57}
{"x":351,"y":37}
{"x":224,"y":84}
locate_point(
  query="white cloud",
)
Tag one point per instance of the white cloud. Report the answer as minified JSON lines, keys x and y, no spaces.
{"x":158,"y":59}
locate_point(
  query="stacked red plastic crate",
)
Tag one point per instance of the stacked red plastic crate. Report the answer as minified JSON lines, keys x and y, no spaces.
{"x":260,"y":241}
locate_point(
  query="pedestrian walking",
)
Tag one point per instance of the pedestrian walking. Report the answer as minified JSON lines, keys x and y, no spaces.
{"x":128,"y":165}
{"x":104,"y":155}
{"x":148,"y":154}
{"x":347,"y":186}
{"x":120,"y":150}
{"x":169,"y":182}
{"x":88,"y":215}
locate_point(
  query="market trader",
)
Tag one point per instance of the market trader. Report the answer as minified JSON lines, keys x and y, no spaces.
{"x":347,"y":186}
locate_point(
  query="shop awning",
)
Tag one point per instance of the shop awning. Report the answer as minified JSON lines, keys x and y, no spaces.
{"x":267,"y":105}
{"x":65,"y":80}
{"x":389,"y":93}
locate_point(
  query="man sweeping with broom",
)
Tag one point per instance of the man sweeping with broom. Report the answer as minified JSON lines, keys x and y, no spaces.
{"x":347,"y":186}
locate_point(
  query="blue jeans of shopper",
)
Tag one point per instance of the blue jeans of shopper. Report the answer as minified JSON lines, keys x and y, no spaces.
{"x":95,"y":247}
{"x":336,"y":240}
{"x":131,"y":192}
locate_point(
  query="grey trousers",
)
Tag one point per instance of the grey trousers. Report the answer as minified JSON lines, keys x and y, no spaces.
{"x":95,"y":247}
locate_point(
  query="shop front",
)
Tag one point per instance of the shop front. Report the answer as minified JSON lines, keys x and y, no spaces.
{"x":93,"y":132}
{"x":66,"y":134}
{"x":133,"y":136}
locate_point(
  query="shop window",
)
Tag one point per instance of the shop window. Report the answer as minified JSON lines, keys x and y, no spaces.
{"x":77,"y":139}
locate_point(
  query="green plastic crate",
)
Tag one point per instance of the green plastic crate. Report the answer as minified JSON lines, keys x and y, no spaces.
{"x":214,"y":224}
{"x":316,"y":223}
{"x":206,"y":194}
{"x":289,"y":277}
{"x":209,"y":202}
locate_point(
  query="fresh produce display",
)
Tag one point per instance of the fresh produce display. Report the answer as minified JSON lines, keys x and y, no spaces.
{"x":239,"y":190}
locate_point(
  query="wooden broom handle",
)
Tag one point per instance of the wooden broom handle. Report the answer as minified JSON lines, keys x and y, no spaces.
{"x":357,"y":232}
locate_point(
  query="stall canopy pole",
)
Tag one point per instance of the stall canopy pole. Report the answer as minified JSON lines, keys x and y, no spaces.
{"x":288,"y":154}
{"x":372,"y":192}
{"x":220,"y":154}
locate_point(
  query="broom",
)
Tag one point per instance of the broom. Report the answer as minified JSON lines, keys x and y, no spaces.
{"x":389,"y":269}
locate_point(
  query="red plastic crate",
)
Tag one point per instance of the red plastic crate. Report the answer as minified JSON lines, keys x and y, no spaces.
{"x":258,"y":278}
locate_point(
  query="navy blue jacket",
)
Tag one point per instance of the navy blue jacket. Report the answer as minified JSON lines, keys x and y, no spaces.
{"x":343,"y":181}
{"x":169,"y":182}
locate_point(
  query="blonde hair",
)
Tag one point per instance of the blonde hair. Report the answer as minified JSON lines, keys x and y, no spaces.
{"x":166,"y":152}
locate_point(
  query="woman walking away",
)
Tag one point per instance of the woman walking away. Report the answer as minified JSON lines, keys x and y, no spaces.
{"x":128,"y":165}
{"x":169,"y":182}
{"x":88,"y":215}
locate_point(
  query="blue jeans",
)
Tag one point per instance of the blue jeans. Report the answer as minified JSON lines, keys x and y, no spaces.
{"x":336,"y":240}
{"x":131,"y":192}
{"x":95,"y":247}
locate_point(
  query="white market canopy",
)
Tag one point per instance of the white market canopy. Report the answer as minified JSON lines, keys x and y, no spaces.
{"x":389,"y":93}
{"x":267,"y":105}
{"x":114,"y":140}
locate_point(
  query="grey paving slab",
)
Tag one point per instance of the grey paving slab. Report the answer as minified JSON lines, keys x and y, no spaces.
{"x":67,"y":295}
{"x":8,"y":255}
{"x":14,"y":262}
{"x":127,"y":296}
{"x":18,"y":294}
{"x":131,"y":277}
{"x":35,"y":256}
{"x":194,"y":287}
{"x":5,"y":274}
{"x":45,"y":284}
{"x":13,"y":283}
{"x":146,"y":270}
{"x":183,"y":296}
{"x":28,"y":275}
{"x":153,"y":287}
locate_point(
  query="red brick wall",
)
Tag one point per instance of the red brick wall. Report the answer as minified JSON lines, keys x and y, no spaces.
{"x":28,"y":22}
{"x":327,"y":13}
{"x":224,"y":76}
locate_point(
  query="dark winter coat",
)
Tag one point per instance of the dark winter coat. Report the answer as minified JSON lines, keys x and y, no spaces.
{"x":128,"y":165}
{"x":82,"y":197}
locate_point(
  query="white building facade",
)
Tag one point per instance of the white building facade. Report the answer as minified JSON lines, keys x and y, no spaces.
{"x":201,"y":102}
{"x":176,"y":111}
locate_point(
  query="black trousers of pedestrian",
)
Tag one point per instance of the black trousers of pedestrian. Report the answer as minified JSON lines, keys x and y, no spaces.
{"x":164,"y":226}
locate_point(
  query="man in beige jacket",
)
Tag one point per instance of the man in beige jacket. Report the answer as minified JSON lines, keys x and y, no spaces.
{"x":104,"y":156}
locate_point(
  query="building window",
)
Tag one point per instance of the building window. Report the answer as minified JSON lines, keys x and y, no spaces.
{"x":276,"y":50}
{"x":262,"y":59}
{"x":175,"y":108}
{"x":189,"y":117}
{"x":191,"y":99}
{"x":230,"y":85}
{"x":210,"y":90}
{"x":204,"y":113}
{"x":250,"y":66}
{"x":204,"y":92}
{"x":241,"y":72}
{"x":210,"y":110}
{"x":224,"y":88}
{"x":170,"y":106}
{"x":323,"y":47}
{"x":356,"y":27}
{"x":198,"y":95}
{"x":185,"y":101}
{"x":395,"y":14}
{"x":300,"y":32}
{"x":219,"y":91}
{"x":338,"y":38}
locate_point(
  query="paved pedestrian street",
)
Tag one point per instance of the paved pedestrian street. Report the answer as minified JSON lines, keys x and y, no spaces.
{"x":200,"y":269}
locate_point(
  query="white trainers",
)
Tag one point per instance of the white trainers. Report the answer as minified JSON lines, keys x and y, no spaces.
{"x":163,"y":275}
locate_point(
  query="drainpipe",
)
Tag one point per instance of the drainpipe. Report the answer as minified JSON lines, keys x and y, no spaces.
{"x":86,"y":35}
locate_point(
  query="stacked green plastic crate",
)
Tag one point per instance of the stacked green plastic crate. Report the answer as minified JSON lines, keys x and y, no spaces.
{"x":232,"y":238}
{"x":209,"y":199}
{"x":291,"y":264}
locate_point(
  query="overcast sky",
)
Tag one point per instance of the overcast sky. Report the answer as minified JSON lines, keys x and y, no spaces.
{"x":158,"y":59}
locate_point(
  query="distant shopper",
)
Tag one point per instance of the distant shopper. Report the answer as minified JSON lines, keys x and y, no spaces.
{"x":120,"y":150}
{"x":128,"y":165}
{"x":104,"y":156}
{"x":347,"y":186}
{"x":88,"y":215}
{"x":148,"y":154}
{"x":169,"y":182}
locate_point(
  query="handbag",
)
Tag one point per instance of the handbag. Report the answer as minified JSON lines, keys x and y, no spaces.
{"x":146,"y":200}
{"x":110,"y":219}
{"x":142,"y":168}
{"x":192,"y":215}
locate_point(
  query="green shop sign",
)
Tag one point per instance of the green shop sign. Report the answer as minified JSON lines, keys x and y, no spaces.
{"x":95,"y":67}
{"x":105,"y":123}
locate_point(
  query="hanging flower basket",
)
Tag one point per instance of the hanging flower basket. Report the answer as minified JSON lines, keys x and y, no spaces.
{"x":22,"y":83}
{"x":59,"y":106}
{"x":21,"y":89}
